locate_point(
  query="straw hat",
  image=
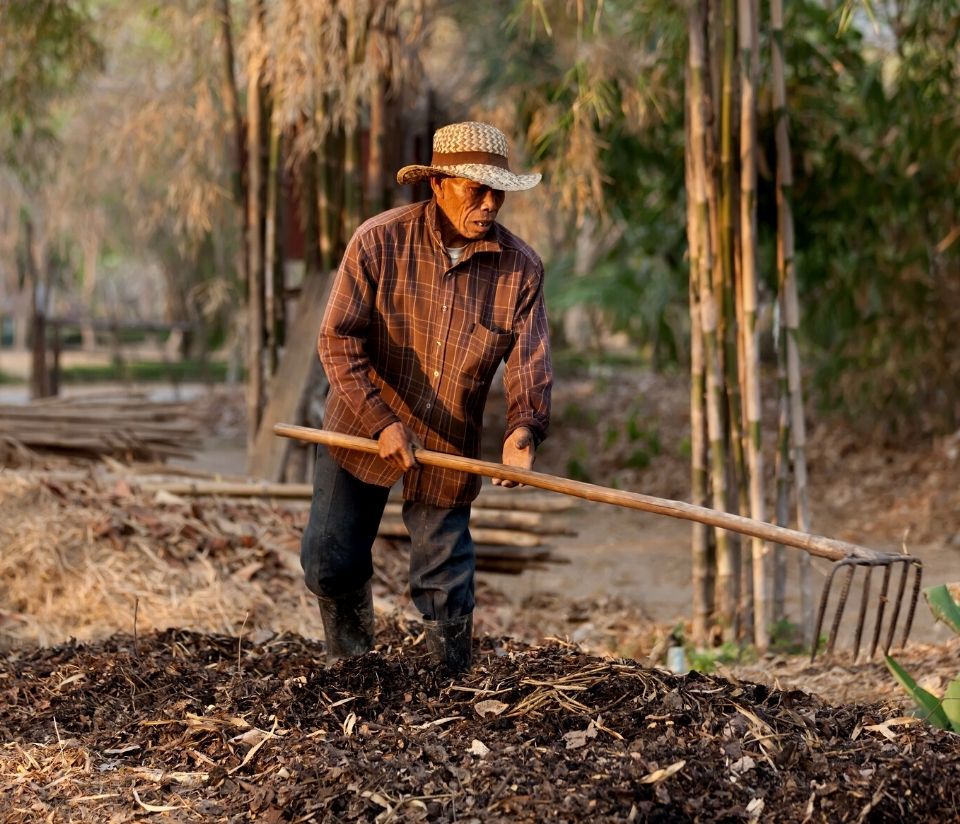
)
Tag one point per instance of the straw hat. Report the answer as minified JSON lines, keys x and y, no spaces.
{"x":476,"y":151}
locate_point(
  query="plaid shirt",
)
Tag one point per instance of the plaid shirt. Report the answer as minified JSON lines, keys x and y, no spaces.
{"x":408,"y":337}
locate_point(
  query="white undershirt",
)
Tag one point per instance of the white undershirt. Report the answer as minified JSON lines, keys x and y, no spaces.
{"x":455,"y":253}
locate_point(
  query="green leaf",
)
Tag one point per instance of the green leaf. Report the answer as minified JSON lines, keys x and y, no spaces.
{"x":929,"y":704}
{"x":951,"y":704}
{"x":943,"y":607}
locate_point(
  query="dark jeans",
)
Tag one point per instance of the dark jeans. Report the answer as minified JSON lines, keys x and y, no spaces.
{"x":344,"y":518}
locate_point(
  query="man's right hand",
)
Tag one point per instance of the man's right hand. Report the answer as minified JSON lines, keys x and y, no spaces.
{"x":396,"y":446}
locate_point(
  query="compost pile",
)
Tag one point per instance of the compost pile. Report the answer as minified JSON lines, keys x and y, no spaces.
{"x":210,"y":727}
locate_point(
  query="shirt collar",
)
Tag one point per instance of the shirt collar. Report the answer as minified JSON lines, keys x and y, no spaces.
{"x":490,"y":243}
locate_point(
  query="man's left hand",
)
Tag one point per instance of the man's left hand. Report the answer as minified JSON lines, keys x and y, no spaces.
{"x":518,"y":451}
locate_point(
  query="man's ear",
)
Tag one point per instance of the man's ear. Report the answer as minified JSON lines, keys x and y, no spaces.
{"x":435,"y":184}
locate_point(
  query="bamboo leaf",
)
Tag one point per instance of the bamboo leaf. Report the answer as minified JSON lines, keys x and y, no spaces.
{"x":951,"y":704}
{"x":929,"y":703}
{"x":943,"y":607}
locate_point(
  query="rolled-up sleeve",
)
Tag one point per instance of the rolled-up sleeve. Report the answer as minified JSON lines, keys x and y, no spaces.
{"x":342,"y":339}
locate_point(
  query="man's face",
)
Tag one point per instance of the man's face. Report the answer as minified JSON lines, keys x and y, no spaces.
{"x":469,"y":208}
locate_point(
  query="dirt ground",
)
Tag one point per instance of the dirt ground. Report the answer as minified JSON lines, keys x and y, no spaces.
{"x":196,"y":690}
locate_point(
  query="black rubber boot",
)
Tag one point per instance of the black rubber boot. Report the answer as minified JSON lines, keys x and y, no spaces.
{"x":347,"y":623}
{"x":450,"y":643}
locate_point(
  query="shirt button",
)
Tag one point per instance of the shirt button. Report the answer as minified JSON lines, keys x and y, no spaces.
{"x":444,"y":308}
{"x":429,"y":405}
{"x":439,"y":343}
{"x":436,"y":373}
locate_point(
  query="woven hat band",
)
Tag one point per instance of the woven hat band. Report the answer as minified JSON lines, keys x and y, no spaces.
{"x":463,"y":158}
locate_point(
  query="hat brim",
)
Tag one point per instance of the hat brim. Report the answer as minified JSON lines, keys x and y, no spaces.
{"x":492,"y":176}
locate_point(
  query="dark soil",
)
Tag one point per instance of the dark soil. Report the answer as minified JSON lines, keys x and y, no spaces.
{"x":216,"y":728}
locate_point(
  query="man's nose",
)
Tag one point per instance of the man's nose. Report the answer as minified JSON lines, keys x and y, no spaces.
{"x":491,"y":200}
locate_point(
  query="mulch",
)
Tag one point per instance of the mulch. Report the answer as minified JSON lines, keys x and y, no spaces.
{"x":203,"y":727}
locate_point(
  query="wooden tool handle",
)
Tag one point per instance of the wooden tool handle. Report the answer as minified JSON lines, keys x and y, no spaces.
{"x":818,"y":545}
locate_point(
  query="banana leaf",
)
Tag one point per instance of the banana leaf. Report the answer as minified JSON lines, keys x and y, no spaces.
{"x":951,"y":704}
{"x":930,"y":707}
{"x":943,"y":607}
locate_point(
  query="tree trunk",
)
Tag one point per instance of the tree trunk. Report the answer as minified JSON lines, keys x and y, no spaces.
{"x":234,"y":125}
{"x":375,"y":165}
{"x":88,"y":334}
{"x":30,"y":272}
{"x":352,"y":187}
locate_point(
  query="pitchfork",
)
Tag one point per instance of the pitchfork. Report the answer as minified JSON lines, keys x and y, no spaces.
{"x":844,"y":555}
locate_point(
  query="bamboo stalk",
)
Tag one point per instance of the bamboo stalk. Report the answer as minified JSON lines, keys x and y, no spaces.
{"x":750,"y":333}
{"x":790,"y":306}
{"x":697,"y":235}
{"x":352,"y":191}
{"x":324,"y":218}
{"x":271,"y":298}
{"x":705,"y":199}
{"x":235,"y":126}
{"x":782,"y":471}
{"x":375,"y":157}
{"x":254,"y":217}
{"x":818,"y":545}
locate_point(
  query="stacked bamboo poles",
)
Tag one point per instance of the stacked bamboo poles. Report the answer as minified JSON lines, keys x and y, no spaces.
{"x":726,"y":397}
{"x":122,"y":426}
{"x":511,"y":529}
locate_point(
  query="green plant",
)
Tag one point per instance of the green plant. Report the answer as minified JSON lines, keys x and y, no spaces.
{"x":146,"y":371}
{"x":940,"y":712}
{"x":577,"y":464}
{"x":706,"y":660}
{"x":786,"y":637}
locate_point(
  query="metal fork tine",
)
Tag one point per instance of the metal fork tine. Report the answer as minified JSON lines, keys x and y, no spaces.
{"x":901,"y":588}
{"x":914,"y":597}
{"x":880,"y":608}
{"x":887,"y":561}
{"x":822,"y":609}
{"x":861,"y":619}
{"x":841,"y":605}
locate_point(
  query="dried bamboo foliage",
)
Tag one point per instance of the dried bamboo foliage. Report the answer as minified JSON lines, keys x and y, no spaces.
{"x":323,"y":58}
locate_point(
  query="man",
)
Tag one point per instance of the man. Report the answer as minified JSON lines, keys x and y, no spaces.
{"x":428,"y":301}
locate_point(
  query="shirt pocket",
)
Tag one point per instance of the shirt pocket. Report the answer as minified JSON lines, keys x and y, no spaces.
{"x":484,"y":350}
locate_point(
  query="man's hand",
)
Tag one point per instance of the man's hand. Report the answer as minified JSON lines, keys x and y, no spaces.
{"x":396,"y":446}
{"x":518,"y":450}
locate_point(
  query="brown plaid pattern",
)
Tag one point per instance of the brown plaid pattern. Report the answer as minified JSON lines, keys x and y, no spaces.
{"x":406,"y":337}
